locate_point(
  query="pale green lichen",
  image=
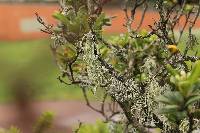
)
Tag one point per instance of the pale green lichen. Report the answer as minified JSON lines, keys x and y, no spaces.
{"x":184,"y":126}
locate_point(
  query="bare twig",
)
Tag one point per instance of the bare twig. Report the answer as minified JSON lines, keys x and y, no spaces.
{"x":47,"y":27}
{"x":135,"y":5}
{"x":143,"y":16}
{"x":79,"y":127}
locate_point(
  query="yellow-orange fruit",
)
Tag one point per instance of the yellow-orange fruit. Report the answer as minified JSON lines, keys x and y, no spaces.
{"x":173,"y":49}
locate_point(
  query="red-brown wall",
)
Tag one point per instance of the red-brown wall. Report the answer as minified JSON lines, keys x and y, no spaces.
{"x":18,"y":21}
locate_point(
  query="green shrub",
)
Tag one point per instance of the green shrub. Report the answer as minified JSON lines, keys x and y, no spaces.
{"x":147,"y":79}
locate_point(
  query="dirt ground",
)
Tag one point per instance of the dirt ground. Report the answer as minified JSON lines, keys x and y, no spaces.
{"x":67,"y":115}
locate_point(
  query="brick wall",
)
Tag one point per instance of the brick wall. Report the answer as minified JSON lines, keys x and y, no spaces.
{"x":18,"y":21}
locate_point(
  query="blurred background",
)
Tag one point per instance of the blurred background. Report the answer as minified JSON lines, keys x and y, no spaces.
{"x":28,"y":74}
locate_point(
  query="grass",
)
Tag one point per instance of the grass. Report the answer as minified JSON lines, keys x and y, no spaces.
{"x":31,"y":62}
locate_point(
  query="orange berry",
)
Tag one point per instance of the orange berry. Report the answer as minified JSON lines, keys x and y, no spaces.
{"x":173,"y":48}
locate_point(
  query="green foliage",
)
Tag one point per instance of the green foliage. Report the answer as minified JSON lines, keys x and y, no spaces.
{"x":10,"y":130}
{"x":100,"y":127}
{"x":187,"y":92}
{"x":186,"y":82}
{"x":133,"y":68}
{"x":76,"y":21}
{"x":44,"y":122}
{"x":74,"y":25}
{"x":67,"y":53}
{"x":101,"y":21}
{"x":188,"y":7}
{"x":125,"y":48}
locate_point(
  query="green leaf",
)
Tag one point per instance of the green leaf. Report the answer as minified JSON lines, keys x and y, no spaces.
{"x":153,"y":38}
{"x":75,"y":27}
{"x":171,"y":118}
{"x":57,"y":30}
{"x":192,"y":100}
{"x":143,"y":77}
{"x":189,"y":64}
{"x":171,"y":70}
{"x":79,"y":66}
{"x":69,"y":51}
{"x":44,"y":122}
{"x":176,"y":116}
{"x":194,"y":89}
{"x":184,"y":87}
{"x":104,"y":51}
{"x":13,"y":130}
{"x":101,"y":21}
{"x":169,"y":109}
{"x":59,"y":16}
{"x":171,"y":98}
{"x":143,"y":32}
{"x":188,"y":7}
{"x":195,"y":72}
{"x":98,"y":127}
{"x":164,"y":99}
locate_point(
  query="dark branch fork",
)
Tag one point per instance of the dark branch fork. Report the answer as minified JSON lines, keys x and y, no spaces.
{"x":129,"y":19}
{"x":48,"y":28}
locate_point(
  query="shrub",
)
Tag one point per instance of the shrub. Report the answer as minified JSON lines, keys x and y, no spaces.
{"x":155,"y":84}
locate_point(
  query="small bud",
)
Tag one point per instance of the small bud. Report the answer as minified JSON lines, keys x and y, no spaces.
{"x":173,"y":49}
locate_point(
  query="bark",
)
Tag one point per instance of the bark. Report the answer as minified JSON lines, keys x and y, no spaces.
{"x":90,"y":5}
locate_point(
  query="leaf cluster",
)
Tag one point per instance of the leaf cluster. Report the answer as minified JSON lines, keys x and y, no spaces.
{"x":179,"y":103}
